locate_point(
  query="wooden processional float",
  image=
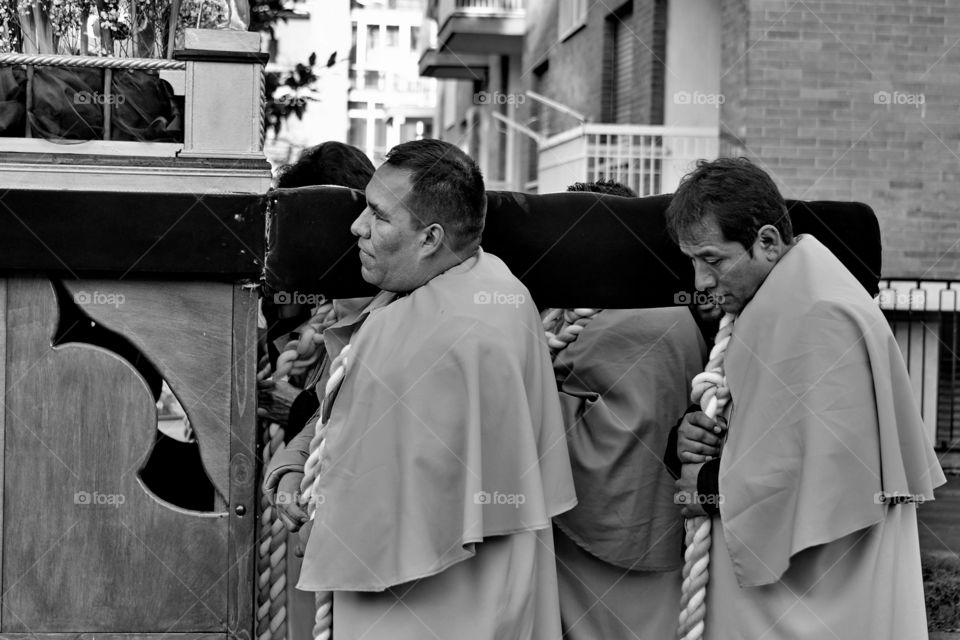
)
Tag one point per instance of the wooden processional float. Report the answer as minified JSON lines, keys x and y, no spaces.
{"x":128,"y":303}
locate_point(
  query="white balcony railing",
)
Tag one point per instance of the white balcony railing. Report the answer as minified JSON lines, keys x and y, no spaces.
{"x":446,"y":7}
{"x":647,"y":158}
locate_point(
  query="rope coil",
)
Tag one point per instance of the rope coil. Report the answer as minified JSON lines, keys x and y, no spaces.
{"x":710,"y":391}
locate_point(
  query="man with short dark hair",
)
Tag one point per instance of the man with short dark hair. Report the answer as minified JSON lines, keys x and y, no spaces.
{"x":813,"y":493}
{"x":443,"y":456}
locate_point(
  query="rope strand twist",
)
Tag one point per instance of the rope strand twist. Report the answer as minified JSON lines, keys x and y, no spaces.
{"x":271,"y":553}
{"x":710,"y":391}
{"x":563,"y":326}
{"x":309,"y":487}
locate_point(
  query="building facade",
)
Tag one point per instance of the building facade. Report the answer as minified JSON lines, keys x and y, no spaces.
{"x":388,"y":101}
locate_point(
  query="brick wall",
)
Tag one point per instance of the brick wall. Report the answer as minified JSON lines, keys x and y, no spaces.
{"x":854,"y":101}
{"x":579,"y":66}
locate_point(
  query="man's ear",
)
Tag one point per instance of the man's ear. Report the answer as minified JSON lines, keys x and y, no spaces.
{"x":770,"y":243}
{"x":433,"y":237}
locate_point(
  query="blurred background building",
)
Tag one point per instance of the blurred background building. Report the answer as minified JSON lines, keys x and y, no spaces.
{"x":372,"y":96}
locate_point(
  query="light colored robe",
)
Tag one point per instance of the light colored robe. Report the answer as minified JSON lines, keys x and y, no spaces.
{"x":823,"y":420}
{"x":444,"y":464}
{"x":623,"y":385}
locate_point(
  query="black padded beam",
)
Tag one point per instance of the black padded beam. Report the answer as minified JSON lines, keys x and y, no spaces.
{"x":125,"y":234}
{"x":570,"y":249}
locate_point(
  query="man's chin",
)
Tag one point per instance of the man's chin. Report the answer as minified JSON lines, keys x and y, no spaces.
{"x":367,"y":276}
{"x":729,"y":305}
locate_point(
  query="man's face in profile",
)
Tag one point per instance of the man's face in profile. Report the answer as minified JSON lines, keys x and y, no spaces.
{"x":724,"y":269}
{"x":389,"y":244}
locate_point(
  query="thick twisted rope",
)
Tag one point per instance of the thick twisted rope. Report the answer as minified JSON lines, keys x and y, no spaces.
{"x":563,"y":326}
{"x":710,"y":391}
{"x":301,"y":354}
{"x":271,"y":554}
{"x":89,"y":61}
{"x":310,"y":495}
{"x":272,"y":550}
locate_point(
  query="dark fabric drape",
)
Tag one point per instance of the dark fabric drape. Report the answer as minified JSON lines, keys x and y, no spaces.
{"x":569,"y":249}
{"x":68,"y":105}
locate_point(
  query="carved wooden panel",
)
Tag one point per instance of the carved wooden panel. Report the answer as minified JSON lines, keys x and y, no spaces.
{"x":88,"y":549}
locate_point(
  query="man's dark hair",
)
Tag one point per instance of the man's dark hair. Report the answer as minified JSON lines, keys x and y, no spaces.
{"x":328,"y":163}
{"x":739,"y":195}
{"x":610,"y":187}
{"x":447,"y":188}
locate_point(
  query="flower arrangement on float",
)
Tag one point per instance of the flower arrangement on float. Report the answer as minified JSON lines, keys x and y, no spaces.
{"x":67,"y":102}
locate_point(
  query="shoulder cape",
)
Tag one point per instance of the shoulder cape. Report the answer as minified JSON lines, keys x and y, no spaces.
{"x":446,"y":431}
{"x":823,"y":417}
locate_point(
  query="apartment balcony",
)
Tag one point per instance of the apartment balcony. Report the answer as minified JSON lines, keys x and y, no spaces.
{"x":480,"y":26}
{"x":449,"y":66}
{"x":435,"y":63}
{"x":649,"y":159}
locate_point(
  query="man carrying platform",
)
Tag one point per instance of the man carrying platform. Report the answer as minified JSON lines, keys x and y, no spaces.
{"x":814,"y":494}
{"x":623,"y":383}
{"x":443,"y":457}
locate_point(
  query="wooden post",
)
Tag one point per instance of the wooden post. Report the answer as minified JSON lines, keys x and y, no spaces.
{"x":223,"y":63}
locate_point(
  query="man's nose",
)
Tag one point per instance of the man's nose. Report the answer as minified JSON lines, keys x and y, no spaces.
{"x":360,"y":226}
{"x":703,"y":279}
